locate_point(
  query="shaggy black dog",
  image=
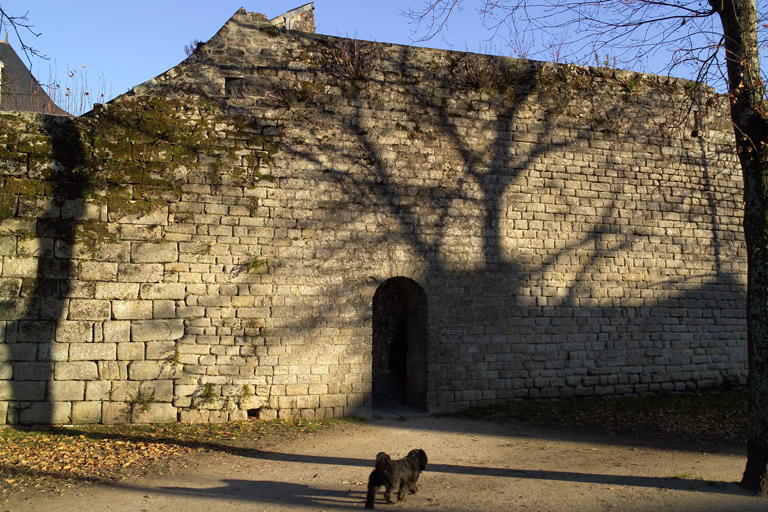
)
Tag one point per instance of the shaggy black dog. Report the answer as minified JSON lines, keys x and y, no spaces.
{"x":400,"y":475}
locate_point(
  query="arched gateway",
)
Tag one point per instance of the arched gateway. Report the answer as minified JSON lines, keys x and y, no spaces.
{"x":399,"y":344}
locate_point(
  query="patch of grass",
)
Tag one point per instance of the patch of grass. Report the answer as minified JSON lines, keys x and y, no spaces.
{"x":700,"y":418}
{"x":141,"y":401}
{"x":483,"y":73}
{"x":256,"y":265}
{"x":287,"y":96}
{"x":206,"y":396}
{"x":351,"y":59}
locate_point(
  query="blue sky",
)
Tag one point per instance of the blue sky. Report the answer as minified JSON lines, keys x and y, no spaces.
{"x":123,"y":44}
{"x":130,"y":42}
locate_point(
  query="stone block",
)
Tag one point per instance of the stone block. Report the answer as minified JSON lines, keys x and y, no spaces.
{"x":266,"y":414}
{"x":308,"y":402}
{"x":290,"y":414}
{"x":46,"y":413}
{"x":157,"y":330}
{"x":155,"y":413}
{"x":3,"y":413}
{"x":338,"y":400}
{"x":252,"y":402}
{"x":149,"y":370}
{"x":6,"y":371}
{"x":114,"y":413}
{"x":157,"y":217}
{"x":132,"y":309}
{"x":8,"y":389}
{"x":186,"y":390}
{"x":32,"y":371}
{"x":149,"y":252}
{"x":10,"y":288}
{"x":318,"y":389}
{"x":67,"y":390}
{"x":198,"y":416}
{"x":159,"y":291}
{"x":36,"y":331}
{"x":98,"y":271}
{"x":124,"y":390}
{"x":162,"y":390}
{"x":163,"y":309}
{"x":74,"y":331}
{"x":14,"y":308}
{"x":160,"y":350}
{"x":296,"y":389}
{"x":54,"y":309}
{"x":218,"y":417}
{"x":80,"y":370}
{"x":86,"y":413}
{"x":20,"y":267}
{"x":119,"y":291}
{"x":31,"y":390}
{"x":87,"y":309}
{"x":38,"y":247}
{"x":130,"y":351}
{"x":112,"y":370}
{"x":238,"y":415}
{"x":19,"y":351}
{"x":140,"y":273}
{"x":117,"y":331}
{"x":93,"y":352}
{"x":97,"y":390}
{"x":8,"y":244}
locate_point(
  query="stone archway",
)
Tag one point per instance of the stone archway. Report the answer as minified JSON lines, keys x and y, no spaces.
{"x":399,"y":347}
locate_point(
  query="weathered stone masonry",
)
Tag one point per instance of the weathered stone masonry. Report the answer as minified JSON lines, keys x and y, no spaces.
{"x":242,"y":234}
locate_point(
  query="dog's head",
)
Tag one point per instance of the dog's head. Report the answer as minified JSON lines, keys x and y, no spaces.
{"x":419,"y":456}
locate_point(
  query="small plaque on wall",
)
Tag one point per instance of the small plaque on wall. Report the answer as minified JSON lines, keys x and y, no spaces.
{"x":452,"y":335}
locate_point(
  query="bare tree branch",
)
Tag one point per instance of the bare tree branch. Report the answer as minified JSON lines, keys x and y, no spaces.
{"x":681,"y":34}
{"x":20,"y":24}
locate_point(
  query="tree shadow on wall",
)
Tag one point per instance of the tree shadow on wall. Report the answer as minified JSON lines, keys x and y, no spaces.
{"x":468,"y":190}
{"x":44,"y":297}
{"x":413,"y":181}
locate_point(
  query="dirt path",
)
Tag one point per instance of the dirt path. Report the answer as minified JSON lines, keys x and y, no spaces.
{"x":472,"y":466}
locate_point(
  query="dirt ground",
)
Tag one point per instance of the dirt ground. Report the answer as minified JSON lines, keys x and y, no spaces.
{"x":472,"y":466}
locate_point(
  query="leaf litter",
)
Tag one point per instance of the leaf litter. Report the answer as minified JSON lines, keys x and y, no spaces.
{"x":55,"y":458}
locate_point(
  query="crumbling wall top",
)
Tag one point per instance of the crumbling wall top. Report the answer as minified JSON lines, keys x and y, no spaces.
{"x":302,"y":19}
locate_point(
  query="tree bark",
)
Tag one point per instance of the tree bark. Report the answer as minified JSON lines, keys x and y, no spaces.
{"x":750,"y":122}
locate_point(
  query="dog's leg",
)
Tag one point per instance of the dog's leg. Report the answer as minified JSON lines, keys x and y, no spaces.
{"x":414,"y":487}
{"x":391,"y":486}
{"x":403,"y":490}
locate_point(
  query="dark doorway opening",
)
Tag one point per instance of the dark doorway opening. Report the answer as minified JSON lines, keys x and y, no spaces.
{"x":399,"y":344}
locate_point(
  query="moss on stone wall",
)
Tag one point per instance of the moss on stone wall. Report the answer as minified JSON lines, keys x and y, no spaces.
{"x":132,"y":155}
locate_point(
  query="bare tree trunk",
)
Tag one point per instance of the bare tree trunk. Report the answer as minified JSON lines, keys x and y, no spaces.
{"x":746,"y":94}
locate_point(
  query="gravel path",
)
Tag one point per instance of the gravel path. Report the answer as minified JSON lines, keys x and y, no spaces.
{"x":472,"y":466}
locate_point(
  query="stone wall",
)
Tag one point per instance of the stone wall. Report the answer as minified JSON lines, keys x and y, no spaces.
{"x":208,"y":247}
